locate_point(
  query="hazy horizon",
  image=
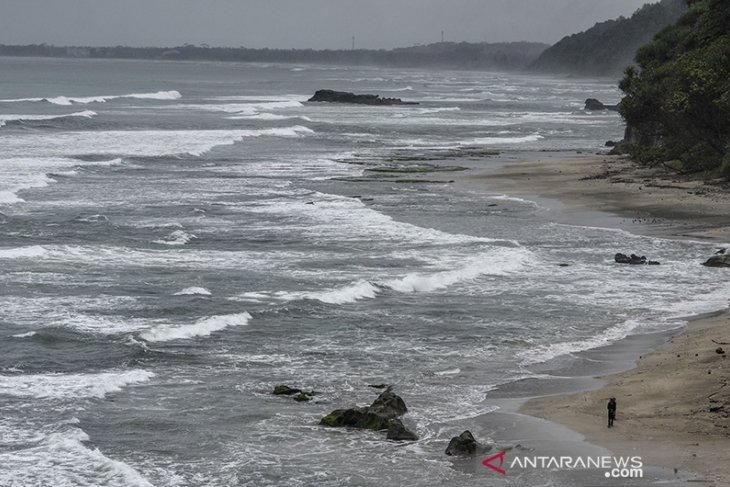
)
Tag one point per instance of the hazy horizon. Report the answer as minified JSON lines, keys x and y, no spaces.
{"x":317,"y":24}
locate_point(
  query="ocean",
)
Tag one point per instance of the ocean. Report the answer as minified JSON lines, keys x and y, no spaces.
{"x":177,"y":238}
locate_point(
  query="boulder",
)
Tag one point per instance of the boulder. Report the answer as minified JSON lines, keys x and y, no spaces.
{"x":284,"y":390}
{"x":331,"y":96}
{"x":398,"y":432}
{"x":594,"y":105}
{"x":721,"y":260}
{"x":304,"y":396}
{"x":387,"y":406}
{"x":464,"y":444}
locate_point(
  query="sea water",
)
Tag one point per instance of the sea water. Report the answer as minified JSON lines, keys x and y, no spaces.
{"x":178,"y":238}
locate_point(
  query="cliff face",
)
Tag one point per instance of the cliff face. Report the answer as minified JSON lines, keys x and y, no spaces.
{"x":607,"y":48}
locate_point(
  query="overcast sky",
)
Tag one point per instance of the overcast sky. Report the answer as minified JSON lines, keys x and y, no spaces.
{"x":298,"y":23}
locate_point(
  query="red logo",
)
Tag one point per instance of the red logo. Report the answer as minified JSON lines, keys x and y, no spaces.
{"x":488,"y":462}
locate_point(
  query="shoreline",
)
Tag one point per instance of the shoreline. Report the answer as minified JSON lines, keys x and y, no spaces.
{"x":674,"y":400}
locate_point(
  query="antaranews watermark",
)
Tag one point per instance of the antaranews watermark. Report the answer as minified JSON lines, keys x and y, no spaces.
{"x":613,"y":467}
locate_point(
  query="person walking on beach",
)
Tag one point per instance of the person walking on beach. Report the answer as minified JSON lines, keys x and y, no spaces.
{"x":611,"y":411}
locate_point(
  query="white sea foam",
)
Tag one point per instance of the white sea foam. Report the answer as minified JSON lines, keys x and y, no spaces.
{"x":83,"y":100}
{"x":178,"y":237}
{"x":192,"y":291}
{"x":142,"y":143}
{"x":456,"y":371}
{"x":495,"y":262}
{"x":62,"y":460}
{"x":25,"y":335}
{"x":269,"y":117}
{"x":347,"y":294}
{"x":502,"y":140}
{"x":498,"y":262}
{"x":70,"y":386}
{"x":29,"y":252}
{"x":21,"y":173}
{"x":10,"y":118}
{"x":202,"y":327}
{"x":424,"y":111}
{"x":241,"y":108}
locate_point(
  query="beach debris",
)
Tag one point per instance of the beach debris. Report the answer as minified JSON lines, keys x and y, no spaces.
{"x":387,"y":406}
{"x":722,"y":260}
{"x":398,"y":432}
{"x":465,"y":444}
{"x":720,"y":350}
{"x":633,"y":259}
{"x":378,"y":386}
{"x":721,"y":251}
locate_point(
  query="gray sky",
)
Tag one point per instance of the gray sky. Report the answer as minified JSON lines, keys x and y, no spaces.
{"x":298,"y":23}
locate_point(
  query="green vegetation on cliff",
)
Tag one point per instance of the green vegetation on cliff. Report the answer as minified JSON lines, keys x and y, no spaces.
{"x":677,"y":103}
{"x":608,"y":47}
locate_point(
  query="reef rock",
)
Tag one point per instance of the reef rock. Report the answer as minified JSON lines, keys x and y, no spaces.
{"x":633,"y":259}
{"x":722,"y":260}
{"x":594,"y":105}
{"x":398,"y":432}
{"x":331,"y":96}
{"x":387,"y":406}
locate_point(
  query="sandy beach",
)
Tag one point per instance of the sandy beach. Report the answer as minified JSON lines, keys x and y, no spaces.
{"x":673,"y":406}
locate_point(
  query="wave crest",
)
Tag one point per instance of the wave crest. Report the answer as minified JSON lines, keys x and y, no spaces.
{"x":202,"y":327}
{"x":83,"y":100}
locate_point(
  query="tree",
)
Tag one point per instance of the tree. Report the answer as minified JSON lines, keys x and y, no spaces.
{"x":678,"y":100}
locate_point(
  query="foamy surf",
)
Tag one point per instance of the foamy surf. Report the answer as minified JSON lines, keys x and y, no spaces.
{"x":202,"y":327}
{"x":178,"y":237}
{"x":140,"y":143}
{"x":70,"y":386}
{"x":63,"y":460}
{"x":13,"y":118}
{"x":347,"y":294}
{"x":83,"y":100}
{"x":28,"y":252}
{"x":193,"y":291}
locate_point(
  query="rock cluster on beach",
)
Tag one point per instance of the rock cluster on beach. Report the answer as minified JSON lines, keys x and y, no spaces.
{"x":465,"y":444}
{"x":331,"y":96}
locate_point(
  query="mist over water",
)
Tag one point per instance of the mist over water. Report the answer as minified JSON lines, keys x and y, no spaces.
{"x":178,"y":238}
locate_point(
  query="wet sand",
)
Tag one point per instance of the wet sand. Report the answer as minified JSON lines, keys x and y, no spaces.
{"x":674,"y":407}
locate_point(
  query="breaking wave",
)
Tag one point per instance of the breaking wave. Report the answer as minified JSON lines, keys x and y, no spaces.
{"x":15,"y":118}
{"x":202,"y":327}
{"x":70,"y":386}
{"x":83,"y":100}
{"x":193,"y":291}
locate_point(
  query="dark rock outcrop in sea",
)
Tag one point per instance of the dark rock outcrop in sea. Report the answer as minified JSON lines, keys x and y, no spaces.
{"x":375,"y":417}
{"x":633,"y":259}
{"x":721,"y":260}
{"x":331,"y":96}
{"x":465,"y":444}
{"x":299,"y":395}
{"x":398,"y":432}
{"x":594,"y":105}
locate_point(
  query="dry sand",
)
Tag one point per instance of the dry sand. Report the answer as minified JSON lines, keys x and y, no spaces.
{"x":673,"y":407}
